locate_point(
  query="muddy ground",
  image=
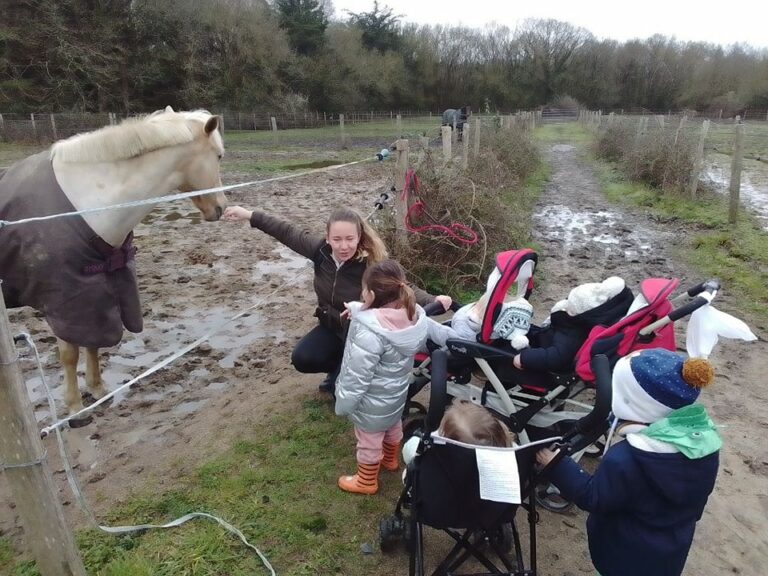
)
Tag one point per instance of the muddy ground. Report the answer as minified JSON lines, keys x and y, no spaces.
{"x":194,"y":275}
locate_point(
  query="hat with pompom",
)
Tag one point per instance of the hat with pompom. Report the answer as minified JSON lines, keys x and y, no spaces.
{"x":650,"y":384}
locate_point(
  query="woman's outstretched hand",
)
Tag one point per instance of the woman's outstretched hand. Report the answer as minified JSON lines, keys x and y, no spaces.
{"x":236,"y":214}
{"x":446,"y":301}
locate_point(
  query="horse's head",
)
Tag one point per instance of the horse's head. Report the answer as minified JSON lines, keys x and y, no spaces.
{"x":201,"y":170}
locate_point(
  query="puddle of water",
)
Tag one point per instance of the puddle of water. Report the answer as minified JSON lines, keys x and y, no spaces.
{"x":316,"y":164}
{"x":217,"y":386}
{"x":563,"y":148}
{"x":605,"y":238}
{"x":287,"y":265}
{"x":559,"y":221}
{"x":754,"y":196}
{"x":188,"y":407}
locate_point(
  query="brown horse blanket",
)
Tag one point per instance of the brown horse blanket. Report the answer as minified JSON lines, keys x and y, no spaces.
{"x":85,"y":288}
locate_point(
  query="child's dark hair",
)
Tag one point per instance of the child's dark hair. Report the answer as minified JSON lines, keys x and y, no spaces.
{"x":386,"y":279}
{"x":472,"y":424}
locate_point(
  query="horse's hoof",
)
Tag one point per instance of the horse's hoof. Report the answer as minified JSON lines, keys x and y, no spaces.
{"x":80,"y":421}
{"x":89,"y":399}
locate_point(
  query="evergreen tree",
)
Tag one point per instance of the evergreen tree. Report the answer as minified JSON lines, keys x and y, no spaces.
{"x":305,"y":22}
{"x":380,"y":27}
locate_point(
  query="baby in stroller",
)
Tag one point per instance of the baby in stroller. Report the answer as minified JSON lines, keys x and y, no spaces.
{"x":541,"y":350}
{"x":512,"y":324}
{"x":467,"y":423}
{"x":554,"y":344}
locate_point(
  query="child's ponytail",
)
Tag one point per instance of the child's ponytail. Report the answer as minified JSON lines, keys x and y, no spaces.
{"x":408,"y":300}
{"x":386,"y":279}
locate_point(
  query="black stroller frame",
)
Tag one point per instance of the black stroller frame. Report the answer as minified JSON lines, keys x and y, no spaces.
{"x":558,"y":406}
{"x":441,"y":491}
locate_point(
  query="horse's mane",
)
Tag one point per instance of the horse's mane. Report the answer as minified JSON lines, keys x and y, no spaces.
{"x":132,"y":137}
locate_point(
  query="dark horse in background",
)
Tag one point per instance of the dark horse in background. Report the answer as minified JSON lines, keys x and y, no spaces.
{"x":457,"y":118}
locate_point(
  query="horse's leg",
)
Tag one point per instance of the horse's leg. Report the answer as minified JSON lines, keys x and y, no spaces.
{"x":93,"y":373}
{"x":69,"y":355}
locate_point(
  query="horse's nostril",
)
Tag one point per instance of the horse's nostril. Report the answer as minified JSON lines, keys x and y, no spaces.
{"x":219,"y":211}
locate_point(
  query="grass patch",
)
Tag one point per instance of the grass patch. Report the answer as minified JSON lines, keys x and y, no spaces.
{"x":10,"y":565}
{"x":12,"y":152}
{"x":278,"y":486}
{"x":738,"y":255}
{"x":569,"y":132}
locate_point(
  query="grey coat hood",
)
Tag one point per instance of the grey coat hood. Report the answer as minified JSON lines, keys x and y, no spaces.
{"x":372,"y":386}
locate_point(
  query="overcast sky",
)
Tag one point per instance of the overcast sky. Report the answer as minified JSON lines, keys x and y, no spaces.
{"x":718,"y":23}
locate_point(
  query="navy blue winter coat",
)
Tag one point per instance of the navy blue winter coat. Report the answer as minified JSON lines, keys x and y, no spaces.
{"x":553,"y":349}
{"x":643,"y":507}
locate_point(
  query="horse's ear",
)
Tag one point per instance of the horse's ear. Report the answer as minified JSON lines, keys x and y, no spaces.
{"x":168,"y":109}
{"x":212,"y":124}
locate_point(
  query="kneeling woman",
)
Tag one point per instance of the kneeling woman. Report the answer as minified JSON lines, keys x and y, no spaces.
{"x":340,"y":258}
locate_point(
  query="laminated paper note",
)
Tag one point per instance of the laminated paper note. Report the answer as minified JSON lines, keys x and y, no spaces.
{"x":499,"y":480}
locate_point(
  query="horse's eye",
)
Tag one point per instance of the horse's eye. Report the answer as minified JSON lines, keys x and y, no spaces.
{"x":221,"y":156}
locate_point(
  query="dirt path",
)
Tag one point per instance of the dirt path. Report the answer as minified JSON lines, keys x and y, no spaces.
{"x":585,"y":239}
{"x":195,"y":275}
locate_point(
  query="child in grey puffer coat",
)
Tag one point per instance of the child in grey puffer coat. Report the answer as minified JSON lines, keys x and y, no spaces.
{"x":385,"y":333}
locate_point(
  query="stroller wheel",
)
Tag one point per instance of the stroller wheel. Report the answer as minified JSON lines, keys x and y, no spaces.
{"x":549,"y":497}
{"x":504,"y":537}
{"x":392,"y":532}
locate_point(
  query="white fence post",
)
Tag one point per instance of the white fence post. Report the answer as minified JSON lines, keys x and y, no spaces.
{"x":478,"y":125}
{"x":446,"y":134}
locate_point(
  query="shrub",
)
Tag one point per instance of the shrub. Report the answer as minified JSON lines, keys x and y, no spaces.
{"x":489,"y":197}
{"x":662,"y":158}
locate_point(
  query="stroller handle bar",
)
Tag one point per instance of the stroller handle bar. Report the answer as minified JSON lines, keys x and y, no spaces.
{"x":702,"y":295}
{"x":588,"y":428}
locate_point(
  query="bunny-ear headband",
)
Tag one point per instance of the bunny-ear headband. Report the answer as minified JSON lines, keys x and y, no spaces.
{"x":707,"y":324}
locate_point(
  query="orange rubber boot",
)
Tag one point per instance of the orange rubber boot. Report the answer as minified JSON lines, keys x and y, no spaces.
{"x":390,"y":460}
{"x":366,"y":481}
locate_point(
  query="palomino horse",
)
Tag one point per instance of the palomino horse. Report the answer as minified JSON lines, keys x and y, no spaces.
{"x":79,"y":271}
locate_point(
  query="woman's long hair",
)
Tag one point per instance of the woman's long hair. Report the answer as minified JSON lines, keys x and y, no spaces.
{"x":386,"y":279}
{"x":371,"y":247}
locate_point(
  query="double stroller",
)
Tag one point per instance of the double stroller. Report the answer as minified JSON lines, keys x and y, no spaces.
{"x":543,"y":404}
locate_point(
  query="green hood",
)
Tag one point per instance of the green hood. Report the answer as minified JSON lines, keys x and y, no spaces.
{"x":689,"y":429}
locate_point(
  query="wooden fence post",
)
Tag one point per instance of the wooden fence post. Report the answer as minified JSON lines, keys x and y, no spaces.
{"x":478,"y":124}
{"x":699,"y":159}
{"x":401,"y":168}
{"x":424,"y":141}
{"x":28,"y":474}
{"x":341,"y":128}
{"x":399,"y":125}
{"x":680,"y":128}
{"x":53,"y":128}
{"x":273,"y":123}
{"x":446,"y":133}
{"x":2,"y":124}
{"x":735,"y":185}
{"x":34,"y":125}
{"x":465,"y":145}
